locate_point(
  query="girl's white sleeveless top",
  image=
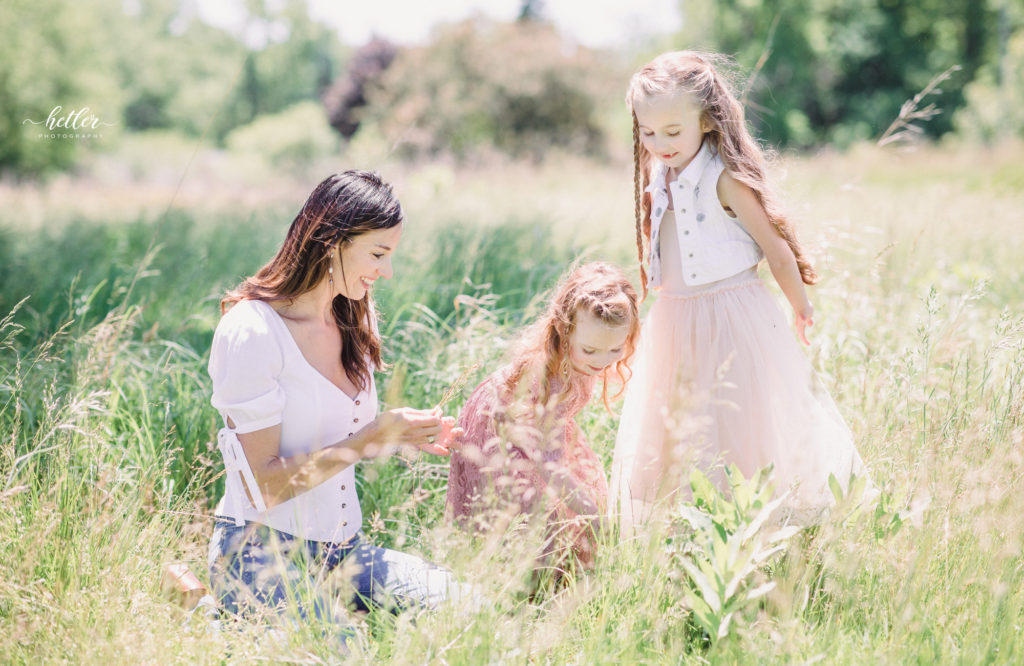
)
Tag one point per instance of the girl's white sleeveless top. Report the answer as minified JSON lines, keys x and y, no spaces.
{"x":711,"y":245}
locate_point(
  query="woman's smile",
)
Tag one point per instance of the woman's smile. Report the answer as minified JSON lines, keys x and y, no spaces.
{"x":367,"y":256}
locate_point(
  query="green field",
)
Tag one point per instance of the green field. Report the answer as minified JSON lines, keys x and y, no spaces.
{"x":108,"y":471}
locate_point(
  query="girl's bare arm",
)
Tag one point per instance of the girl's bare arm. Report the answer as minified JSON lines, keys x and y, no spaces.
{"x":741,"y":200}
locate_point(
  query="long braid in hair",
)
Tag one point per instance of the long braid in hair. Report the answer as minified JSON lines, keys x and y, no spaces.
{"x":696,"y":73}
{"x":638,"y":193}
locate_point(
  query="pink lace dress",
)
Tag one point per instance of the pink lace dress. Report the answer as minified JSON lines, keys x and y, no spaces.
{"x":506,"y":457}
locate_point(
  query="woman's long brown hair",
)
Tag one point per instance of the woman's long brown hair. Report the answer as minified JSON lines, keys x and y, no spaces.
{"x":695,"y":73}
{"x":341,"y":207}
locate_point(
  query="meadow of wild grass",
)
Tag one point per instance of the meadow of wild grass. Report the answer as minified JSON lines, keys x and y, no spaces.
{"x":108,"y":471}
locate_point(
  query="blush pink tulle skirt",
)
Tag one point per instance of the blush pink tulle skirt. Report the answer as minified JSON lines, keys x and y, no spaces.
{"x":719,"y":378}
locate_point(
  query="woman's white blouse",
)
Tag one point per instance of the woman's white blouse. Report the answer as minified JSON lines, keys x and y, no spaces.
{"x":261,"y":379}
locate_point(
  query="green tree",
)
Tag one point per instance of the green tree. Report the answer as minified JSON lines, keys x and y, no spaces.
{"x":531,"y":10}
{"x":291,"y":58}
{"x":176,"y":70}
{"x":185,"y":74}
{"x":994,"y":106}
{"x":150,"y":65}
{"x":840,"y":69}
{"x":509,"y":86}
{"x":52,"y":54}
{"x":345,"y":100}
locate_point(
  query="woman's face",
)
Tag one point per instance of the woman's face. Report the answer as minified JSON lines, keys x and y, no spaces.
{"x":594,"y":345}
{"x":363,"y":260}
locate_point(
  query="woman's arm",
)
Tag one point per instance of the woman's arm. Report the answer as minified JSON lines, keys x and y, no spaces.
{"x":280,"y":479}
{"x":742,"y":201}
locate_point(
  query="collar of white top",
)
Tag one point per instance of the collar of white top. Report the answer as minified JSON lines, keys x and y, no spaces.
{"x":691,"y":174}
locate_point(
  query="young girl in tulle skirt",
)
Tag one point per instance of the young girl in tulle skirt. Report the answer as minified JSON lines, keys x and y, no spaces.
{"x":718,"y":376}
{"x":522,"y":452}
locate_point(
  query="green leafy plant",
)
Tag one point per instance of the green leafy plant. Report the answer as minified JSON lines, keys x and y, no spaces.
{"x":723,"y":544}
{"x":862,"y":501}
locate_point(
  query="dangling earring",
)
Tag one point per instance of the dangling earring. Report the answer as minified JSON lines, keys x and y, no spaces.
{"x":330,"y":269}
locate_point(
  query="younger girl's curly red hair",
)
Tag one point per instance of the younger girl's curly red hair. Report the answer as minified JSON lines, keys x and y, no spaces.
{"x":598,"y":288}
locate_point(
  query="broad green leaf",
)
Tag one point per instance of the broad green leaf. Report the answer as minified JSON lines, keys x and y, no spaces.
{"x":723,"y":629}
{"x":833,"y":485}
{"x":764,"y":555}
{"x":763,"y":515}
{"x":703,"y":584}
{"x":760,"y":591}
{"x":738,"y":574}
{"x":783,"y":534}
{"x":705,"y":617}
{"x":703,"y":490}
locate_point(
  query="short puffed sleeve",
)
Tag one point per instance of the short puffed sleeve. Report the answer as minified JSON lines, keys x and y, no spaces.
{"x":246,"y":360}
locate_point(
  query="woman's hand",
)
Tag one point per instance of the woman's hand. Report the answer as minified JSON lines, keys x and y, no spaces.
{"x":802,"y":318}
{"x":424,"y":429}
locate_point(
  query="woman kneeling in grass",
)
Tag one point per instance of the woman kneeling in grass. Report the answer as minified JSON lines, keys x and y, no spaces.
{"x":292,"y":365}
{"x":522,"y":451}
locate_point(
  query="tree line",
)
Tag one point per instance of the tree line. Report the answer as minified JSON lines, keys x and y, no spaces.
{"x":812,"y":72}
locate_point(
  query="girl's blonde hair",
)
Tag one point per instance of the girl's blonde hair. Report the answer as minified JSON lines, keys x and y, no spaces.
{"x":602,"y":290}
{"x":695,"y":74}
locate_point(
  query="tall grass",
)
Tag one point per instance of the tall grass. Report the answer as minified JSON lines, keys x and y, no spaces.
{"x":108,"y":471}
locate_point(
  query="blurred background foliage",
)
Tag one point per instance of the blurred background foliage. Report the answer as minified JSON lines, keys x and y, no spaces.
{"x":837,"y":71}
{"x":512,"y":87}
{"x":813,"y":72}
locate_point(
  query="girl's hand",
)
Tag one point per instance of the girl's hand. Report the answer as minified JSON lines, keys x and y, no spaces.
{"x":802,"y":318}
{"x":450,"y":434}
{"x":442,"y":444}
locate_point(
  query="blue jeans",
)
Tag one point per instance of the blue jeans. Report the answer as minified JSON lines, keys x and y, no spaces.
{"x":255,"y":568}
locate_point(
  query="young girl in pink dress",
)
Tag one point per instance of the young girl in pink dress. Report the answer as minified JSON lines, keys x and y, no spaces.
{"x":718,"y":376}
{"x":522,"y":451}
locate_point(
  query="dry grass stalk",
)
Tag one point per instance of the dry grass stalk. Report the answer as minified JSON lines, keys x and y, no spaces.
{"x":903,"y":128}
{"x":457,"y":385}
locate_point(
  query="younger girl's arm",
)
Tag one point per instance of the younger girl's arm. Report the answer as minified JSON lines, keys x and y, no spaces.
{"x":741,"y":200}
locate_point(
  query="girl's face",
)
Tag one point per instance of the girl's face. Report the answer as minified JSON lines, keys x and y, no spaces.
{"x":363,"y":260}
{"x":594,"y":345}
{"x":671,"y":128}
